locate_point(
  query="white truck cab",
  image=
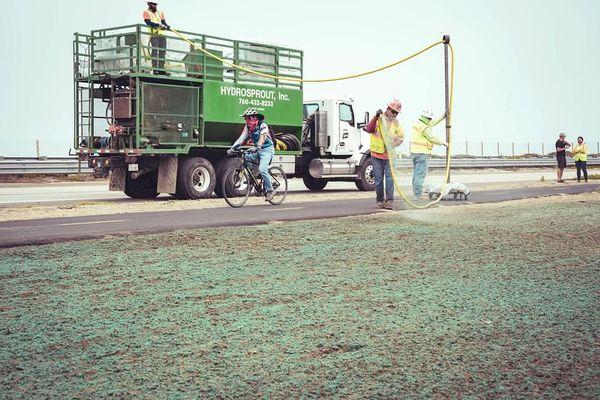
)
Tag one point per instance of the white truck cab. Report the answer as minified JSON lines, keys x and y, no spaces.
{"x":334,"y":145}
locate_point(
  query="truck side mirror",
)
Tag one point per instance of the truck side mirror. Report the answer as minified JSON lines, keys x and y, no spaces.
{"x":361,"y":125}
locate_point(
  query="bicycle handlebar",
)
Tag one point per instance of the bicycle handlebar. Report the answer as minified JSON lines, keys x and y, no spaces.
{"x":240,"y":152}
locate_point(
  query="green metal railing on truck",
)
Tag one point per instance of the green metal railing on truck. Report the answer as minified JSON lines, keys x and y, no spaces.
{"x":115,"y":71}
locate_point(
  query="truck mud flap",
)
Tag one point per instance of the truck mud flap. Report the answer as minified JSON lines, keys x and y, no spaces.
{"x":167,"y":175}
{"x":117,"y":180}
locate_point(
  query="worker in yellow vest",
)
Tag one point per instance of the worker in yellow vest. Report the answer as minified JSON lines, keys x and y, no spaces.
{"x":421,"y":145}
{"x":579,"y":154}
{"x":384,"y":128}
{"x":156,"y":21}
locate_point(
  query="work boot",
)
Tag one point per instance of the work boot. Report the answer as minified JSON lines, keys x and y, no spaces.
{"x":389,"y":205}
{"x":269,"y":196}
{"x":380,"y":204}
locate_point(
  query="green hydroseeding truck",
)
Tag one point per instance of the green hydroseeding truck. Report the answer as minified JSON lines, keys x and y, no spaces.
{"x":163,"y":125}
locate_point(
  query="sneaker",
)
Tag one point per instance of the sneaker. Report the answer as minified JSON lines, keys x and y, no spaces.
{"x":389,"y":205}
{"x":269,"y":196}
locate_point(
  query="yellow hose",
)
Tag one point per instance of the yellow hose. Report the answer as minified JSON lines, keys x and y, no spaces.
{"x":351,"y":76}
{"x":448,"y":123}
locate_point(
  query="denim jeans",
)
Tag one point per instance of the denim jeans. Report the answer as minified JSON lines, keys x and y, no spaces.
{"x":420,"y":162}
{"x":159,"y":46}
{"x":264,"y":156}
{"x":581,"y":166}
{"x":381,"y":167}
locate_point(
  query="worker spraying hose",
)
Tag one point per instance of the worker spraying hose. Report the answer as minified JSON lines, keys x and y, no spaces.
{"x":384,"y":127}
{"x":421,"y":145}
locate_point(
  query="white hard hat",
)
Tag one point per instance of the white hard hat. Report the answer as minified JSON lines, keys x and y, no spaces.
{"x":427,"y":114}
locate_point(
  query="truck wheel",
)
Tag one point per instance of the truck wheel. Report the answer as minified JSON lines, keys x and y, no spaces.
{"x":366,"y":180}
{"x":312,"y":183}
{"x":143,"y":187}
{"x":224,"y":165}
{"x":195,"y":178}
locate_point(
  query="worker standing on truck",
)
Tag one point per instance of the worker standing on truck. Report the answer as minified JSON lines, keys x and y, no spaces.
{"x":264,"y":149}
{"x":156,"y":21}
{"x":421,"y":145}
{"x":384,"y":127}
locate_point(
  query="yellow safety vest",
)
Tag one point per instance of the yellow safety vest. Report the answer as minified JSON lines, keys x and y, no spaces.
{"x":422,"y":140}
{"x":156,"y":17}
{"x":580,"y":152}
{"x":385,"y":129}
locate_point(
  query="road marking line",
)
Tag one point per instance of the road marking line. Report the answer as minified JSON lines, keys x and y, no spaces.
{"x":284,"y":209}
{"x":92,"y":222}
{"x":13,"y":228}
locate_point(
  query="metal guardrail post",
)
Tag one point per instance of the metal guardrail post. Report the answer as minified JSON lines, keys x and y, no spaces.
{"x":513,"y":149}
{"x":498,"y":148}
{"x":481,"y":149}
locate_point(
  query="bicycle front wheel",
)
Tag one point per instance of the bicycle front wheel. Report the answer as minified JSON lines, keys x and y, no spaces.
{"x":236,"y":186}
{"x":280,"y":185}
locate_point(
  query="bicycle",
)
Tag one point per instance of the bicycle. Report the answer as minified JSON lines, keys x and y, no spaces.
{"x":240,"y":180}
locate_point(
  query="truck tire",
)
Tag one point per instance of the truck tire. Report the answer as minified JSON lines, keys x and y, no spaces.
{"x":313,"y":184}
{"x":143,"y":187}
{"x":366,"y":180}
{"x":196,"y":178}
{"x":223,"y":166}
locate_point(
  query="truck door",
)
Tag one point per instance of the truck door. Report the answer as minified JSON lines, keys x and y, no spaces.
{"x":346,"y":130}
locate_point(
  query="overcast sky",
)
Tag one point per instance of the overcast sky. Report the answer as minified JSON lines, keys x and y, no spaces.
{"x":525,"y":70}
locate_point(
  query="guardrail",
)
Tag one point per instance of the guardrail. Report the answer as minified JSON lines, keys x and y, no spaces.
{"x":70,"y":165}
{"x":42,"y":166}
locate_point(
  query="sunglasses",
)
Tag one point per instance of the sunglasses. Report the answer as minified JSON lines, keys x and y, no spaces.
{"x":394,"y":112}
{"x":250,"y":118}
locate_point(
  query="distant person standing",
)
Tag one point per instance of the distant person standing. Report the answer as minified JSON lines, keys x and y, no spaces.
{"x":579,"y":154}
{"x":156,"y":21}
{"x":561,"y":156}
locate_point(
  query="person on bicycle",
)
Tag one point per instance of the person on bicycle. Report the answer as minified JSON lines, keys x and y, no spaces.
{"x":264,"y":149}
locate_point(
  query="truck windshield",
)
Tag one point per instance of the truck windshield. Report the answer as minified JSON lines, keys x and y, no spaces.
{"x":310,"y":108}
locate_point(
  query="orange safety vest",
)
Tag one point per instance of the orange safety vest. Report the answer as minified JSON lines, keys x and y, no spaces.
{"x":156,"y":17}
{"x":387,"y":130}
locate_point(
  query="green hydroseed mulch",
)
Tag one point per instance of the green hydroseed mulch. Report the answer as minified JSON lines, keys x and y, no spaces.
{"x":498,"y":302}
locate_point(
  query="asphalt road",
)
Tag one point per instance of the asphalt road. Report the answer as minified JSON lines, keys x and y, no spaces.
{"x":19,"y":194}
{"x":41,"y":231}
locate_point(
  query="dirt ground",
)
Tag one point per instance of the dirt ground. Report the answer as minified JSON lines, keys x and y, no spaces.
{"x":474,"y":301}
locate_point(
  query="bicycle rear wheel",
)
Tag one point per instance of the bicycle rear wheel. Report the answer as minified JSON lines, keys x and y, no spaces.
{"x":236,"y":186}
{"x":280,"y":185}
